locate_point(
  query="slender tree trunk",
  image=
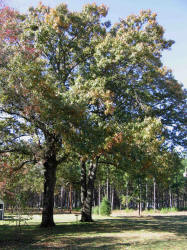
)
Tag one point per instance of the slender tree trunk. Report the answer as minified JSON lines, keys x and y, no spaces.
{"x":107,"y":185}
{"x":170,"y":198}
{"x":40,"y":200}
{"x":127,"y":196}
{"x":112,"y":198}
{"x":54,"y":202}
{"x":75,"y":199}
{"x":87,"y":187}
{"x":65,"y":199}
{"x":154,"y":194}
{"x":61,"y":197}
{"x":48,"y":196}
{"x":99,"y":196}
{"x":146,"y":195}
{"x":140,"y":200}
{"x":70,"y":198}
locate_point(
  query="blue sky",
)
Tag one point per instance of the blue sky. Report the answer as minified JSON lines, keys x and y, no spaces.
{"x":172,"y":15}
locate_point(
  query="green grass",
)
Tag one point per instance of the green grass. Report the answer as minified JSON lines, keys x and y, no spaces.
{"x":132,"y":233}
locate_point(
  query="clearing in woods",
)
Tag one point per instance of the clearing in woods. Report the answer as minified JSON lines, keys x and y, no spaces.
{"x":114,"y":232}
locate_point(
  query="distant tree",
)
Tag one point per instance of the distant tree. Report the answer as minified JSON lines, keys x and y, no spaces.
{"x":105,"y":208}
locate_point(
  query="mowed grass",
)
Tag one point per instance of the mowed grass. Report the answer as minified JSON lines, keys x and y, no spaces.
{"x":115,"y":232}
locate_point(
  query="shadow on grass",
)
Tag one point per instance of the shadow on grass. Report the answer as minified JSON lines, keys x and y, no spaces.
{"x":88,"y":235}
{"x":108,"y":243}
{"x":171,"y":224}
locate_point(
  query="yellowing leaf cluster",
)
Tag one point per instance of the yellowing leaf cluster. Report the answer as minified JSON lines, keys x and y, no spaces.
{"x":53,"y":19}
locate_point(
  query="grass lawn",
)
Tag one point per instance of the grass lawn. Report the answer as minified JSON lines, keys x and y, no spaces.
{"x":115,"y":232}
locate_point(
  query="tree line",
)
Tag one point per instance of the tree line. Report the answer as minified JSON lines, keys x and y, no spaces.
{"x":123,"y":192}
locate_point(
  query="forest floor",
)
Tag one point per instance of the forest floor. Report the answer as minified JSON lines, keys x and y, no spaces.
{"x":119,"y":231}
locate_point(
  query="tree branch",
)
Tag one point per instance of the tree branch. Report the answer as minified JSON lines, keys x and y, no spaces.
{"x":107,"y":163}
{"x":23,"y":163}
{"x":62,"y":159}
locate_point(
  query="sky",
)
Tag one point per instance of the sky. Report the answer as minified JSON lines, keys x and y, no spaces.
{"x":172,"y":15}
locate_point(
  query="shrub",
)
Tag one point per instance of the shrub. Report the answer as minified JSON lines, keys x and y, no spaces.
{"x":105,"y":208}
{"x":164,"y":210}
{"x":96,"y":210}
{"x":128,"y":210}
{"x":173,"y":209}
{"x":168,"y":210}
{"x":151,"y":211}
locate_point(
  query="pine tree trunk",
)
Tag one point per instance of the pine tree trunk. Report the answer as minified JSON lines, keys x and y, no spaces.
{"x":140,"y":200}
{"x":146,"y":195}
{"x":70,"y":198}
{"x":48,"y":196}
{"x":170,"y":198}
{"x":76,"y":198}
{"x":154,"y":194}
{"x":87,"y":187}
{"x":112,"y":198}
{"x":61,"y":197}
{"x":107,"y":186}
{"x":127,"y":196}
{"x":40,"y":200}
{"x":99,"y":197}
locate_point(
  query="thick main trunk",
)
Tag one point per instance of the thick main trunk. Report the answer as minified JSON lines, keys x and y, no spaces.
{"x":49,"y":186}
{"x":87,"y":187}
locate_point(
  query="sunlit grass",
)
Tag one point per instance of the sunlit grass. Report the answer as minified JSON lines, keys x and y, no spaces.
{"x":114,"y":232}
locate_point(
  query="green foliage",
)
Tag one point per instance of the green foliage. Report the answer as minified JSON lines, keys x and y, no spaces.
{"x":105,"y":208}
{"x":128,"y":210}
{"x":69,"y":173}
{"x":126,"y":199}
{"x":164,"y":210}
{"x":173,"y":209}
{"x":168,"y":210}
{"x":61,"y":72}
{"x":150,"y":211}
{"x":95,"y":210}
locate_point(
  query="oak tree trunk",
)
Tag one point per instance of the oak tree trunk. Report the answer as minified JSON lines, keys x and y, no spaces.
{"x":87,"y":187}
{"x":50,"y":166}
